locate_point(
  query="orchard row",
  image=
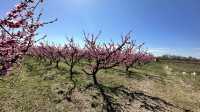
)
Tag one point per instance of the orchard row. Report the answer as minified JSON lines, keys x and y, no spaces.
{"x":98,"y":56}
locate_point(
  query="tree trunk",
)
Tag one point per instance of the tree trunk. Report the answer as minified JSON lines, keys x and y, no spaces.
{"x":57,"y":64}
{"x":127,"y":69}
{"x":50,"y":62}
{"x":71,"y":72}
{"x":3,"y":71}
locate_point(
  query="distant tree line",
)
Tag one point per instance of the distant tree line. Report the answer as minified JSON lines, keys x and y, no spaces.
{"x":178,"y":58}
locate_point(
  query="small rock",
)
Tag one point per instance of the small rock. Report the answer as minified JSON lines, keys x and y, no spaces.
{"x":183,"y":73}
{"x":194,"y":73}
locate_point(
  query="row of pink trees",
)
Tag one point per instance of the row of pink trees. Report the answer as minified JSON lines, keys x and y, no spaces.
{"x":101,"y":56}
{"x":128,"y":55}
{"x":17,"y":32}
{"x":47,"y":52}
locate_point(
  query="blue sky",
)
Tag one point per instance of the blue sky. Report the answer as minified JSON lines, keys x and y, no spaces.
{"x":166,"y":26}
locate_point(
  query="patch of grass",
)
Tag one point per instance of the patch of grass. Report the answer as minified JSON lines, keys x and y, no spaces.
{"x":30,"y":89}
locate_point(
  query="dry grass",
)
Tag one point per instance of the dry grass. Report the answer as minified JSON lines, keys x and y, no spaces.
{"x":38,"y":89}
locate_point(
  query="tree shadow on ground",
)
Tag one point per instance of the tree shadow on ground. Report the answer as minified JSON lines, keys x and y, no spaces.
{"x":149,"y":103}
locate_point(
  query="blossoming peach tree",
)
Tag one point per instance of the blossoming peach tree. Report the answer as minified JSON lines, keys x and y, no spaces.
{"x":104,"y":56}
{"x":17,"y":32}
